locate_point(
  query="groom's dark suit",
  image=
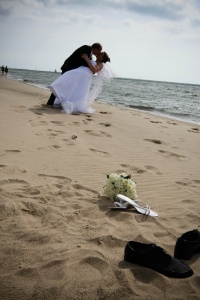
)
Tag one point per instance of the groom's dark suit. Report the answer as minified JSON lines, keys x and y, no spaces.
{"x":75,"y":60}
{"x":72,"y":62}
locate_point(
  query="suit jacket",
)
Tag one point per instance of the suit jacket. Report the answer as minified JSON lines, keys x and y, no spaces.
{"x":75,"y":60}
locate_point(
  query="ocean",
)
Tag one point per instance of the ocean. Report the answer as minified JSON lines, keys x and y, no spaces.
{"x":178,"y":101}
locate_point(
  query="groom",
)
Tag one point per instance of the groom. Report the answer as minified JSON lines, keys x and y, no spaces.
{"x":75,"y":60}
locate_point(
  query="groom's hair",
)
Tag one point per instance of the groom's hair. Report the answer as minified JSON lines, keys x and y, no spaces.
{"x":97,"y":46}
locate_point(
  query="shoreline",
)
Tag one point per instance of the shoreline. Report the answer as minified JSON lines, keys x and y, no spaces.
{"x":157,"y":113}
{"x":59,"y":239}
{"x":101,"y":102}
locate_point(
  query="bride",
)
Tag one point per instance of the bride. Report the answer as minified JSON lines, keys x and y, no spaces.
{"x":72,"y":89}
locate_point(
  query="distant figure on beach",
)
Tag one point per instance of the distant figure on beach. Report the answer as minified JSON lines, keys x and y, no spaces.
{"x":6,"y":70}
{"x":72,"y":89}
{"x":75,"y":60}
{"x":2,"y":70}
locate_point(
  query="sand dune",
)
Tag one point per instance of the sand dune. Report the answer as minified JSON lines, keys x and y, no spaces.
{"x":59,"y":240}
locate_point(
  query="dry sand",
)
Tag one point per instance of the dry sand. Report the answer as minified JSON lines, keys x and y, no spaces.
{"x":58,"y":238}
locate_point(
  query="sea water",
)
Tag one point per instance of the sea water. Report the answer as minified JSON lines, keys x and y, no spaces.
{"x":178,"y":101}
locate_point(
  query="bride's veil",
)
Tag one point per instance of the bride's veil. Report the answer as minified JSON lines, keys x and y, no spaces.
{"x":106,"y":73}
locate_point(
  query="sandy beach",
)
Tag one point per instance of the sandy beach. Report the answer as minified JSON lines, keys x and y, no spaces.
{"x":59,"y":240}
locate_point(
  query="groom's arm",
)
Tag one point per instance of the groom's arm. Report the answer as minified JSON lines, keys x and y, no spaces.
{"x":75,"y":60}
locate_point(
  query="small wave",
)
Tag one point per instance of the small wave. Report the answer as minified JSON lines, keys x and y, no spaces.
{"x":180,"y":114}
{"x":128,"y":94}
{"x":38,"y":85}
{"x":162,"y":111}
{"x":29,"y":80}
{"x":186,"y":117}
{"x":140,"y":107}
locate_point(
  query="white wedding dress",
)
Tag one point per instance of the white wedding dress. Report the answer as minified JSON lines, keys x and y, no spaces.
{"x":72,"y":90}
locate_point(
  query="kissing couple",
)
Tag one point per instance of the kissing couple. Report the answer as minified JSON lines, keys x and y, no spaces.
{"x":72,"y":90}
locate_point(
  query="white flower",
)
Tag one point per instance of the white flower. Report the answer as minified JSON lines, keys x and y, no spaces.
{"x":120,"y":184}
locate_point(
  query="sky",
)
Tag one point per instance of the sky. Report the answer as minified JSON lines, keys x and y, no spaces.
{"x":146,"y":39}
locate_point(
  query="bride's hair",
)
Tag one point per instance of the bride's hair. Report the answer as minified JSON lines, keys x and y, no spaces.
{"x":105,"y":57}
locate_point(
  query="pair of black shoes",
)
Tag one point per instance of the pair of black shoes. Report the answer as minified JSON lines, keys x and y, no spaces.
{"x":156,"y":258}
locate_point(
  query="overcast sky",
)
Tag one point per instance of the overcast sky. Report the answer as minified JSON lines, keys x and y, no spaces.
{"x":146,"y":39}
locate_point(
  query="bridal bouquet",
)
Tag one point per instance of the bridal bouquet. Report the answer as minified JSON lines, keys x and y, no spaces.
{"x":120,"y":184}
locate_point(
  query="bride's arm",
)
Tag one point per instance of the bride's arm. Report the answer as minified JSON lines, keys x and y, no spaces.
{"x":94,"y":69}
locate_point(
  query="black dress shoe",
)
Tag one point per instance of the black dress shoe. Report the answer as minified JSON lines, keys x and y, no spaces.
{"x":187,"y":245}
{"x":155,"y":258}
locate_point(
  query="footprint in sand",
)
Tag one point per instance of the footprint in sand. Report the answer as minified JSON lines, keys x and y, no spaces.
{"x":187,"y":182}
{"x":68,"y":142}
{"x":172,"y":123}
{"x":105,"y":134}
{"x":84,"y":188}
{"x":52,"y":134}
{"x":92,"y":132}
{"x":95,"y":262}
{"x":171,"y":154}
{"x":105,"y":124}
{"x":103,"y":112}
{"x":195,"y":130}
{"x":134,"y":169}
{"x":58,"y":123}
{"x":101,"y":133}
{"x":12,"y":169}
{"x":54,"y":176}
{"x":56,"y":131}
{"x":189,"y":187}
{"x":33,"y":123}
{"x":155,"y":141}
{"x":155,"y":122}
{"x":102,"y":153}
{"x":9,"y":151}
{"x":153,"y":169}
{"x":12,"y":186}
{"x":13,"y":151}
{"x":38,"y":113}
{"x":135,"y":114}
{"x":49,"y":148}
